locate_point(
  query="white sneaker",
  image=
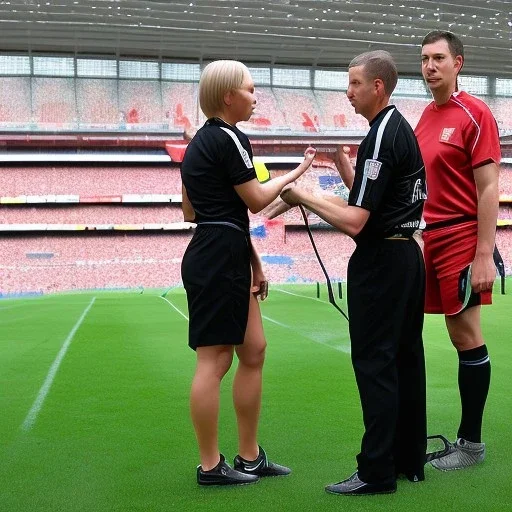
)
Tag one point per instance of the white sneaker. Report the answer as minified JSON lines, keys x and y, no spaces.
{"x":463,"y":454}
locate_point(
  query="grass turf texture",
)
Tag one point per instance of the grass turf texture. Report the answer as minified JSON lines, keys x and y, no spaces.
{"x":113,"y":432}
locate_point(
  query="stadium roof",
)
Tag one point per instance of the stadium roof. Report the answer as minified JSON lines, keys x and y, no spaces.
{"x":273,"y":32}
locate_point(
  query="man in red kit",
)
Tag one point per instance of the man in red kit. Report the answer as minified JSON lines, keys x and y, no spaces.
{"x":459,"y":142}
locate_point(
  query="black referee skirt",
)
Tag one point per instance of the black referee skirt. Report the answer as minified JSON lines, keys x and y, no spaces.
{"x":216,"y":273}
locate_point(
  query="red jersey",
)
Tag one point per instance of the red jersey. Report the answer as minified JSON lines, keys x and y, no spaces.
{"x":455,"y":138}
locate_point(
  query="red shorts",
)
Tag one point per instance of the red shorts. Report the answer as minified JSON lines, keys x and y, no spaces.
{"x":449,"y":252}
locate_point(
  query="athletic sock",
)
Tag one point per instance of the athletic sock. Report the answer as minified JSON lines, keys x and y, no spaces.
{"x":474,"y":380}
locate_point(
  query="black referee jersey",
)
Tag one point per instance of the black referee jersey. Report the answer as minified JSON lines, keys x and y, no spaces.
{"x":389,"y":178}
{"x":215,"y":268}
{"x":386,"y":291}
{"x":217,"y":158}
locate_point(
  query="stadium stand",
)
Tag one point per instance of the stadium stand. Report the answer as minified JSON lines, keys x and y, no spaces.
{"x":268,"y":114}
{"x":47,"y":262}
{"x":505,"y":212}
{"x":504,"y":243}
{"x":337,"y":112}
{"x":63,"y":262}
{"x":502,"y":110}
{"x":80,"y":193}
{"x":179,"y":102}
{"x":58,"y":262}
{"x":53,"y":103}
{"x":410,"y":108}
{"x":92,"y":214}
{"x":15,"y":102}
{"x":97,"y":103}
{"x":299,"y":108}
{"x":506,"y":179}
{"x":141,"y":103}
{"x":89,"y":181}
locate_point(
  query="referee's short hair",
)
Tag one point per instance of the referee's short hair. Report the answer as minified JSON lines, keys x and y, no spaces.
{"x":378,"y":64}
{"x":218,"y":78}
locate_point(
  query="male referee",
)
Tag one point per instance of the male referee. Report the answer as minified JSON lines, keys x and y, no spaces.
{"x":386,"y":280}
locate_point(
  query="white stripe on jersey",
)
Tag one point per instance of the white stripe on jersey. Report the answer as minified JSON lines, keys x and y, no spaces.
{"x":461,"y":105}
{"x":243,"y":153}
{"x":376,"y":150}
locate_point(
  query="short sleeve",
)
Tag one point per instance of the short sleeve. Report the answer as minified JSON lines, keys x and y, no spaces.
{"x":237,"y":159}
{"x":485,"y":144}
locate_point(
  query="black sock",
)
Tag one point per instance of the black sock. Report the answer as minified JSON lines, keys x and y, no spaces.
{"x":474,"y":380}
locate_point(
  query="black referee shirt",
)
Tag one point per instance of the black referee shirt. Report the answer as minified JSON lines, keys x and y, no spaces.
{"x":217,"y":158}
{"x":389,"y":178}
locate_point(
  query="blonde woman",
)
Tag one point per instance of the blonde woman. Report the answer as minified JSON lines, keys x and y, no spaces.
{"x":222,"y":272}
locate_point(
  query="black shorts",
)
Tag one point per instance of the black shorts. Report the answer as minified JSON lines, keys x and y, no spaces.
{"x":216,"y":273}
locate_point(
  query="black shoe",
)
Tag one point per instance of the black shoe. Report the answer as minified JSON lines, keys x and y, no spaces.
{"x":261,"y":466}
{"x":412,"y":476}
{"x":355,"y":486}
{"x":223,"y":474}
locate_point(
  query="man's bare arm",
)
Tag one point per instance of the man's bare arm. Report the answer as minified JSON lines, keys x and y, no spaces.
{"x":483,"y":272}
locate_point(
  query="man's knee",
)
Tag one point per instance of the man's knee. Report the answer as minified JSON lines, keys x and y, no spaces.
{"x":464,"y":329}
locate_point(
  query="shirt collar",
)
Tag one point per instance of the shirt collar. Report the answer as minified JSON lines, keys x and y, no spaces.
{"x":381,"y":113}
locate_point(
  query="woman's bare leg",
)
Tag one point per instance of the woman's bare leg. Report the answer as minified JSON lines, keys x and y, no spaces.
{"x":248,"y":382}
{"x":212,"y":364}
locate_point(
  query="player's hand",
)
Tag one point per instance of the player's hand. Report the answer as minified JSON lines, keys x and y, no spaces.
{"x":290,"y":186}
{"x":291,"y":194}
{"x":342,"y":155}
{"x":483,"y":274}
{"x":341,"y":158}
{"x":342,"y":161}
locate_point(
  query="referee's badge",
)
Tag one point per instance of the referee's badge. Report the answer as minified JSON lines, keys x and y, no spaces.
{"x":372,"y":168}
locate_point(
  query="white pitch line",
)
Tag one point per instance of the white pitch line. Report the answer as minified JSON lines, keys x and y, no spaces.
{"x":45,"y":388}
{"x":340,"y":348}
{"x":173,"y":306}
{"x":275,"y":322}
{"x":301,"y":296}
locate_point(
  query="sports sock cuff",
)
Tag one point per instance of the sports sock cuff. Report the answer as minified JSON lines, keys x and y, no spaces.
{"x":474,"y":357}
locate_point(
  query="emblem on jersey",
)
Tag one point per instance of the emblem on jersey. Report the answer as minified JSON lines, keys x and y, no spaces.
{"x":246,"y":158}
{"x":446,"y":134}
{"x":372,"y":168}
{"x":418,"y":194}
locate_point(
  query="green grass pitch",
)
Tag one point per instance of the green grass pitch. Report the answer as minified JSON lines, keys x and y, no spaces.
{"x":94,"y":409}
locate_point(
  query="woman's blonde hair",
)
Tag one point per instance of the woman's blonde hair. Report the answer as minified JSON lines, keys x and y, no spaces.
{"x":218,"y":78}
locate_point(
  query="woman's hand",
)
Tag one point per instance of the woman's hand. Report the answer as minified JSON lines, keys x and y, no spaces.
{"x":309,"y":156}
{"x":259,"y":286}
